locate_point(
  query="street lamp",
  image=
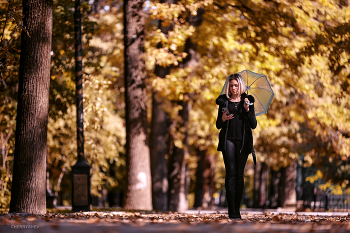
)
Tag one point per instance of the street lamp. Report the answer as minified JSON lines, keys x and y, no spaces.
{"x":81,"y":190}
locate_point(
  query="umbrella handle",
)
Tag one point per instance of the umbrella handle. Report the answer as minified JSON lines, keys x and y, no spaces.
{"x":248,"y":103}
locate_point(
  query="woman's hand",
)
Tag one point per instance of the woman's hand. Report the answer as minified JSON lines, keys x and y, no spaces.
{"x":246,"y":106}
{"x":225,"y":117}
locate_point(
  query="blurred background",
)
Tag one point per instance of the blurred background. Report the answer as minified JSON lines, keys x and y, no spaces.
{"x":302,"y":143}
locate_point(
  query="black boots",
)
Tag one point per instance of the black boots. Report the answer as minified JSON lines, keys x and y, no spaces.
{"x":238,"y":197}
{"x":233,"y":205}
{"x":234,"y":197}
{"x":230,"y":184}
{"x":238,"y":213}
{"x":234,"y":193}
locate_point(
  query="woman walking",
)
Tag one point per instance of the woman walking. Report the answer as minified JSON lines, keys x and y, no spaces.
{"x":236,"y":118}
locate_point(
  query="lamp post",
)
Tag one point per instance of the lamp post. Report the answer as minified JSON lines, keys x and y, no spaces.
{"x":81,"y":193}
{"x":81,"y":197}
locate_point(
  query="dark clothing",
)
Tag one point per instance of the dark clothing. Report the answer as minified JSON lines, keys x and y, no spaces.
{"x":236,"y":143}
{"x":235,"y":131}
{"x":234,"y":161}
{"x":234,"y":182}
{"x":249,"y":122}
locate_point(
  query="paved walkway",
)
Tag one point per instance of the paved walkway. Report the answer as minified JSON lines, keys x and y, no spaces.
{"x":271,"y":211}
{"x":193,"y":221}
{"x":169,"y":228}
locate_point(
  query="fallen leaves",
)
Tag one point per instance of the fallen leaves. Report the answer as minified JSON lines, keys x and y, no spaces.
{"x":250,"y":222}
{"x":169,"y":217}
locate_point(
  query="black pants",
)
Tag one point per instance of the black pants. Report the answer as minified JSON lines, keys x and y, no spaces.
{"x":234,"y":182}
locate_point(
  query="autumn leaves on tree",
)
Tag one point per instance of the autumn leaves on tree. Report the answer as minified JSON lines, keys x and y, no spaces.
{"x":286,"y":40}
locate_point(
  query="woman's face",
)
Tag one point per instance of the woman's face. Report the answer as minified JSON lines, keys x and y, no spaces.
{"x":234,"y":87}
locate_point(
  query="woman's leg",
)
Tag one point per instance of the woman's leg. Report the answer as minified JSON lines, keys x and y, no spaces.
{"x":241,"y":160}
{"x":230,"y":179}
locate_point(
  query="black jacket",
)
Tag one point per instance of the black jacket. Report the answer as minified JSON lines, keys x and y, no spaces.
{"x":249,"y":123}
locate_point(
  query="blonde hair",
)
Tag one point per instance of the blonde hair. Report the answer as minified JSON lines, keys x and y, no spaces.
{"x":242,"y":87}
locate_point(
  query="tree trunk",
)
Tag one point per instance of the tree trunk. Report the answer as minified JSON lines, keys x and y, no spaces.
{"x":200,"y":181}
{"x":274,"y":192}
{"x":257,"y":178}
{"x":28,"y":193}
{"x":158,"y":147}
{"x":260,"y":185}
{"x":263,"y":185}
{"x":158,"y":152}
{"x":288,"y":193}
{"x":204,"y":181}
{"x":177,"y":185}
{"x":177,"y":199}
{"x":138,"y":188}
{"x":96,"y":6}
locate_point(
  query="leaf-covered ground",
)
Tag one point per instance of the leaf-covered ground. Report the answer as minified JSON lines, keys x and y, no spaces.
{"x":171,"y":222}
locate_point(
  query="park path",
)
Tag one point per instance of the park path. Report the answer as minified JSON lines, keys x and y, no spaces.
{"x":133,"y":222}
{"x":182,"y":227}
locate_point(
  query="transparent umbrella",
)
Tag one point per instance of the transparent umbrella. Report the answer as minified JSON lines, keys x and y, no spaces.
{"x":259,"y":87}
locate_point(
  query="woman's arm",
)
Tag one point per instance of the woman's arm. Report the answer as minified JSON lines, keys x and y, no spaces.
{"x":219,"y":121}
{"x":251,"y":117}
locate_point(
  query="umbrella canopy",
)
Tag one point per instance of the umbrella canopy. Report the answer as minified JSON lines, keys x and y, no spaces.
{"x":257,"y":86}
{"x":260,"y":88}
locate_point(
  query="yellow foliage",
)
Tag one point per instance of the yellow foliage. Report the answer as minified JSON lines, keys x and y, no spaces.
{"x":310,"y":112}
{"x":315,"y":177}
